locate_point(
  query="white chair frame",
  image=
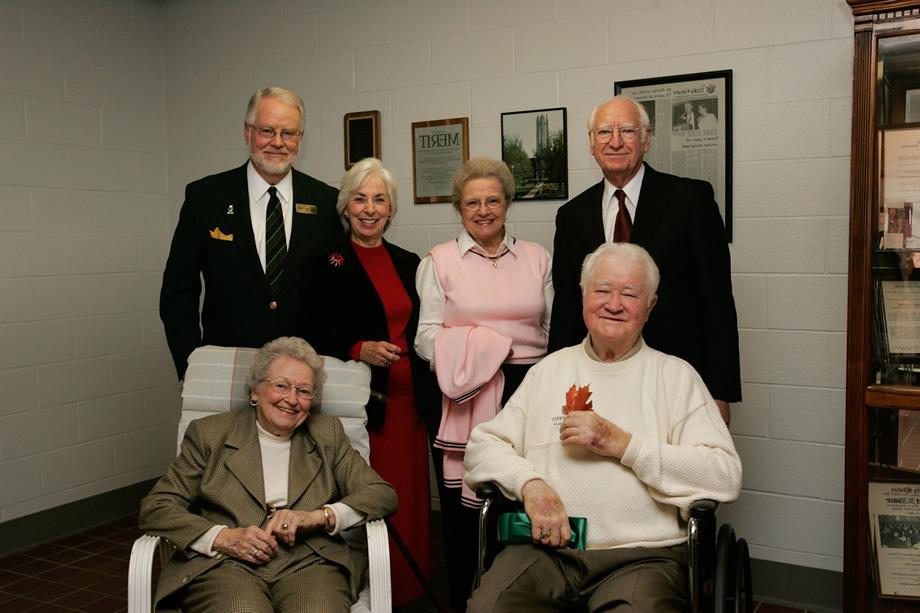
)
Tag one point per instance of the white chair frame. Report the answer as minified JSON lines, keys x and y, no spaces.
{"x":214,"y":383}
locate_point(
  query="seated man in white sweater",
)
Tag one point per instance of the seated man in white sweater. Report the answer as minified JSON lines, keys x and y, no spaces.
{"x":613,"y":431}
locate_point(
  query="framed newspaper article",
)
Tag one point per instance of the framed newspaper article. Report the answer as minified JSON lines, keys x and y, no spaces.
{"x":894,"y":528}
{"x":690,"y":116}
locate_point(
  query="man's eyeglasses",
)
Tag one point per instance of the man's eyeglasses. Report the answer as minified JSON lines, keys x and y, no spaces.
{"x":288,"y":136}
{"x":627,"y":133}
{"x":492,"y":202}
{"x":284,"y":388}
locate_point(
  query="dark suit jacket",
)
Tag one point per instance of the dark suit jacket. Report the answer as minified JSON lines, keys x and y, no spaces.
{"x":344,"y":308}
{"x":239,"y":307}
{"x":678,"y":222}
{"x":217,"y":479}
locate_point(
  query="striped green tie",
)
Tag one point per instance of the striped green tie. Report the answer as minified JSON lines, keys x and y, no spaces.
{"x":275,"y":244}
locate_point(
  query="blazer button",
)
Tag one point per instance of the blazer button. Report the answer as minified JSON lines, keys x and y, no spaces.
{"x":185,"y":578}
{"x":273,"y":305}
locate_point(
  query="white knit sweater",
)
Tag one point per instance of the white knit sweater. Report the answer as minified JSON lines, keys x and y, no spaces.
{"x":680,"y":450}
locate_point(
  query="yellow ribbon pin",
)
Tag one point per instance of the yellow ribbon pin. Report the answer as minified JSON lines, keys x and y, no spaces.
{"x":216,"y":233}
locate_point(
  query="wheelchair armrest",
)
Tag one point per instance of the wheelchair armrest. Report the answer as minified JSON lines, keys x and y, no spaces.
{"x":493,"y":502}
{"x":489,"y":491}
{"x":701,"y":538}
{"x":703,"y":507}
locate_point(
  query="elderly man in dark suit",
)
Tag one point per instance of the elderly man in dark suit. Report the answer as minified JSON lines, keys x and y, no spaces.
{"x":677,"y":220}
{"x":247,"y":232}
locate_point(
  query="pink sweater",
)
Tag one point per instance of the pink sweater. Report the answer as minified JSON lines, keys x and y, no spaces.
{"x":507,"y":296}
{"x":471,"y":381}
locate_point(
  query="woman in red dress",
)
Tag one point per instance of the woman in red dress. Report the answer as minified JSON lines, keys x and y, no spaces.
{"x":365,"y":307}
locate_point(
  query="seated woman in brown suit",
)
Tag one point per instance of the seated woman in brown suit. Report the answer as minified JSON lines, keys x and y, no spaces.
{"x":256,"y":500}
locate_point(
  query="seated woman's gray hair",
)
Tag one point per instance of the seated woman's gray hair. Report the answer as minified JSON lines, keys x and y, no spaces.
{"x":291,"y":347}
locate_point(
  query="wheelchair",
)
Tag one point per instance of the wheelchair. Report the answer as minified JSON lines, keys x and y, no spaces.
{"x":719,"y":565}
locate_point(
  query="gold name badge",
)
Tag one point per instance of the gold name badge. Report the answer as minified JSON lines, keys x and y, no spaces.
{"x":306,"y":209}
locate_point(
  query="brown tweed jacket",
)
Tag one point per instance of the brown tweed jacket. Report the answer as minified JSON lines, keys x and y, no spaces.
{"x":217,"y":479}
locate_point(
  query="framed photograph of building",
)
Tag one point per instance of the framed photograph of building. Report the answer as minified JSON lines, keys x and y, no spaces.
{"x":691,"y":120}
{"x":534,"y":148}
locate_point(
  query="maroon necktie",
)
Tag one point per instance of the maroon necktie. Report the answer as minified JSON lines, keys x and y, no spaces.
{"x":623,"y":225}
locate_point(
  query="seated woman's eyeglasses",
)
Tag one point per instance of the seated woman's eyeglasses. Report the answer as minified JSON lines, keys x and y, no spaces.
{"x":627,"y":133}
{"x":289,"y":136}
{"x":492,"y":202}
{"x":284,"y":388}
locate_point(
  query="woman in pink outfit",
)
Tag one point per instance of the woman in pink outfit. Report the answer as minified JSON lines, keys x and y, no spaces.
{"x":484,"y":320}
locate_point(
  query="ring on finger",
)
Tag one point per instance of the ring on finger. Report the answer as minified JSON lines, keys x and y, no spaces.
{"x":254,"y":552}
{"x":284,"y":526}
{"x":544,"y":534}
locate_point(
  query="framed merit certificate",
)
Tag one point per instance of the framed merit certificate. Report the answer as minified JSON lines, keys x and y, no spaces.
{"x":438,"y":149}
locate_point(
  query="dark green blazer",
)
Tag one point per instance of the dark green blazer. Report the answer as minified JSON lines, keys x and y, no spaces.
{"x":217,"y":479}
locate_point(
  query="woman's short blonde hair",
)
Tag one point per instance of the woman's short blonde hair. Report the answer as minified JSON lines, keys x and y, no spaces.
{"x":290,"y":347}
{"x":482,"y":168}
{"x":355,"y":178}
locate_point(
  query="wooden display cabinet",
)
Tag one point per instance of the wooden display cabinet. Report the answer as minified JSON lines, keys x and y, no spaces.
{"x":883,"y":378}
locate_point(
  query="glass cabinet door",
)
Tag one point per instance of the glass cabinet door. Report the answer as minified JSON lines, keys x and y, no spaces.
{"x":896,"y":240}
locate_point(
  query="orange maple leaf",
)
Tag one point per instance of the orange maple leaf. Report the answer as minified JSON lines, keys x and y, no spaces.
{"x":576,"y":399}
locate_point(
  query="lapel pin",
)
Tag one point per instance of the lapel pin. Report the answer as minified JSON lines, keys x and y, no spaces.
{"x":229,"y":209}
{"x":306,"y":209}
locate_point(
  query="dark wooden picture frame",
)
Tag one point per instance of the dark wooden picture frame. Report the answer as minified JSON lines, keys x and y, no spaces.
{"x":694,"y":134}
{"x":362,"y":136}
{"x":439,"y":147}
{"x":534,"y":146}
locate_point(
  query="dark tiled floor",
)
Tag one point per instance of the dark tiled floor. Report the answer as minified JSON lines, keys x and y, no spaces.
{"x":88,"y":572}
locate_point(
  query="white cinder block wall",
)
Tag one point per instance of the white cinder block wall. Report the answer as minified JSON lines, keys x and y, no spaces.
{"x":412,"y":60}
{"x":89,"y":401}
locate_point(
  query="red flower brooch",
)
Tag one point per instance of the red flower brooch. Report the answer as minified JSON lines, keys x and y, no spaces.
{"x":336,"y":259}
{"x":576,"y":399}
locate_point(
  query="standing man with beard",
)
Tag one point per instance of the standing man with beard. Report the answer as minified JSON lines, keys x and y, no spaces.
{"x":246,"y":232}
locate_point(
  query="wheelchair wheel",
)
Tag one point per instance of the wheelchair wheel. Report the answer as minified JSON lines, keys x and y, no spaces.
{"x":744,"y":597}
{"x":725,"y":570}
